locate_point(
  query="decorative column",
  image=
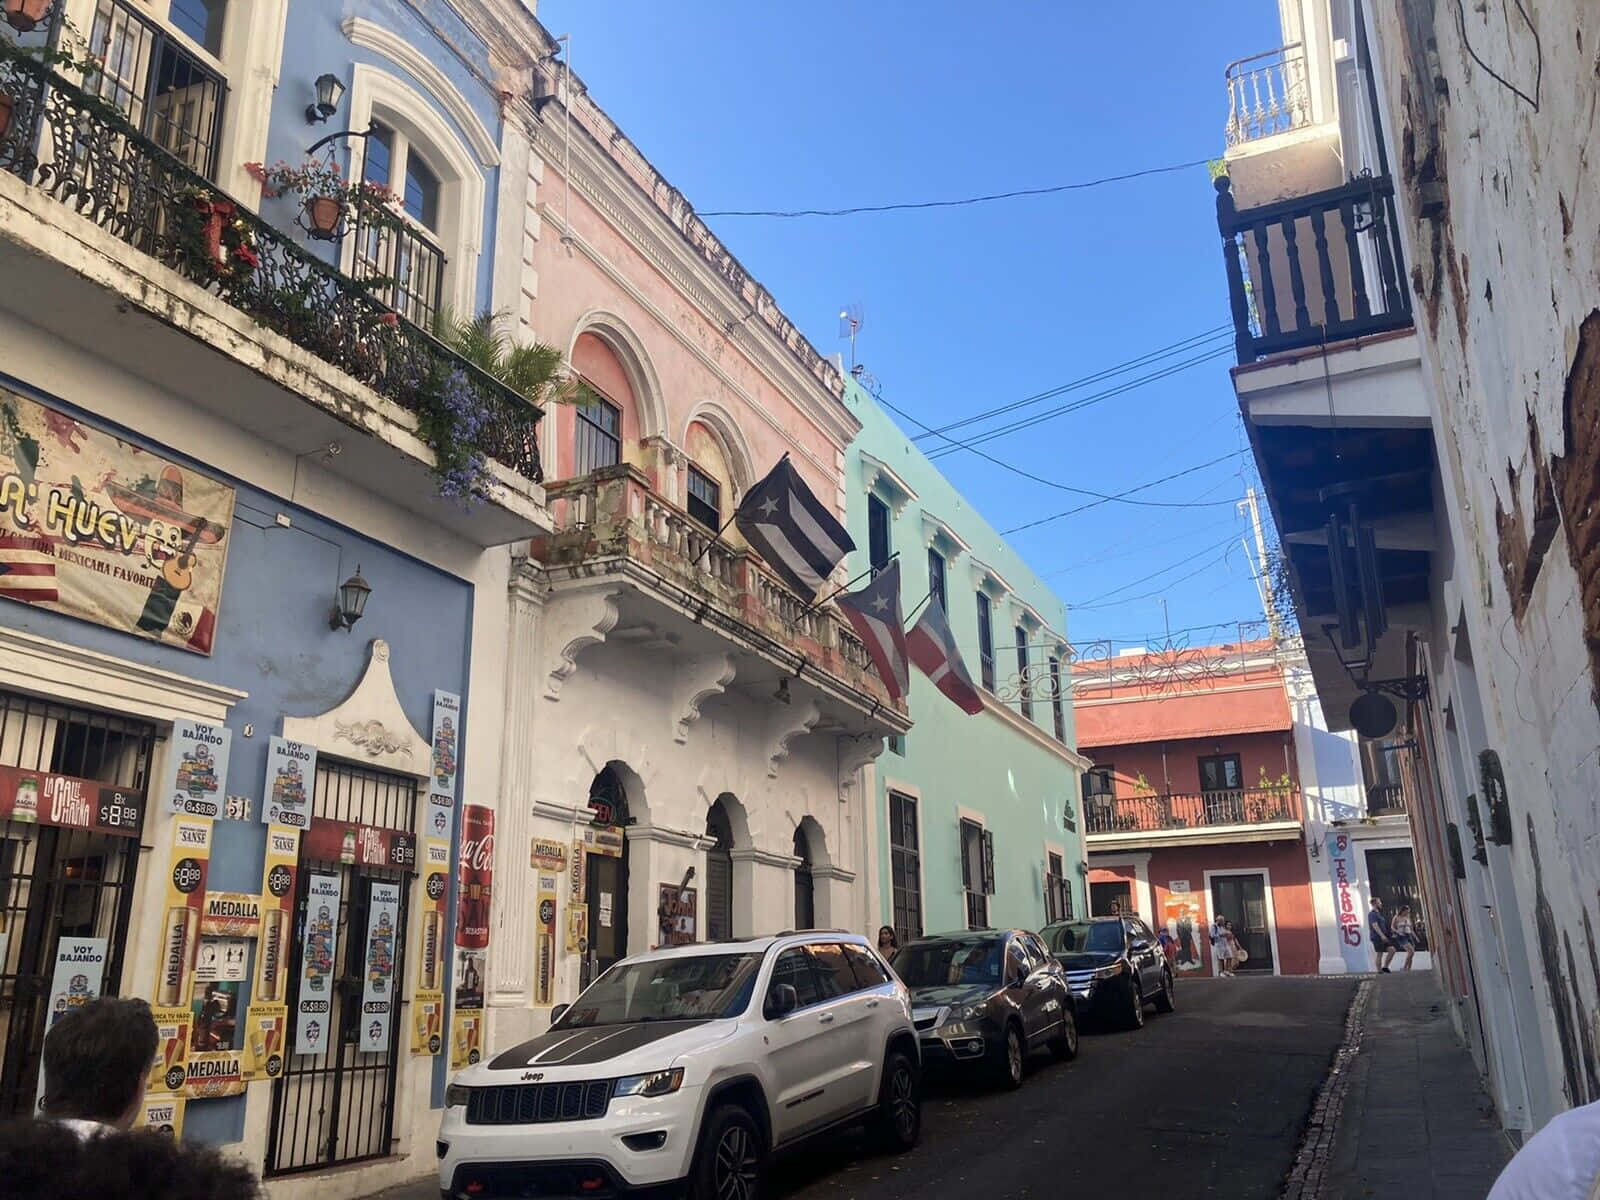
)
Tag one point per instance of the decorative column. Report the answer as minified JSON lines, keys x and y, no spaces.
{"x":763,"y":891}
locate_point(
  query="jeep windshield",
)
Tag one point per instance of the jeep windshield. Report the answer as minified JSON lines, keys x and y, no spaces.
{"x":956,"y":962}
{"x":695,"y":988}
{"x":1085,"y":937}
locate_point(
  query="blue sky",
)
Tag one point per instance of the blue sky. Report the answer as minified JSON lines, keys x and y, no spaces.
{"x":745,"y":104}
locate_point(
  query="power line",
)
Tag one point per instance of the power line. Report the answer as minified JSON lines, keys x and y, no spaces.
{"x":1157,"y":574}
{"x":1148,"y":639}
{"x":1123,"y":496}
{"x":1188,"y":343}
{"x":960,"y":203}
{"x":1138,"y":547}
{"x":1160,"y":591}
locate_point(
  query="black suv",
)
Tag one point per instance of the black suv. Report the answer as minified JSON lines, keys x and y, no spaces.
{"x":984,"y":998}
{"x":1114,"y":966}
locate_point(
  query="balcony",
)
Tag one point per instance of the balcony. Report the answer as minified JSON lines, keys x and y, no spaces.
{"x":1236,"y":815}
{"x":1268,"y":94}
{"x":685,"y":579}
{"x":79,"y":185}
{"x":1386,"y":800}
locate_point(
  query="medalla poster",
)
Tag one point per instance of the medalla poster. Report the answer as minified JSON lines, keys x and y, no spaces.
{"x":101,"y":530}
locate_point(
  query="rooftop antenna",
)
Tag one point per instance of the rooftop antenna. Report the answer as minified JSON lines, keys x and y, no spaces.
{"x":851,"y":319}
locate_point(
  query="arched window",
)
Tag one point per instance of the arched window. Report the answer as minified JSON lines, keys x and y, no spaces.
{"x":606,"y":879}
{"x":410,"y":258}
{"x":719,"y":875}
{"x":805,"y":896}
{"x":608,"y":419}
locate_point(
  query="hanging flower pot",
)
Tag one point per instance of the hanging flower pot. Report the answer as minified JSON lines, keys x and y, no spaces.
{"x":7,"y":104}
{"x":26,"y":15}
{"x":324,"y":217}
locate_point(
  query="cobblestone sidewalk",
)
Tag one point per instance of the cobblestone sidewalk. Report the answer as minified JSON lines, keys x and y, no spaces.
{"x":1402,"y":1112}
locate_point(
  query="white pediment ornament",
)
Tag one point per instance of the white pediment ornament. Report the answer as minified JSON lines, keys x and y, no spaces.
{"x":370,"y":725}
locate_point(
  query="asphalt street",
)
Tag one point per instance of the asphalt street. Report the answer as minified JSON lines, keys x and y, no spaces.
{"x":1207,"y":1101}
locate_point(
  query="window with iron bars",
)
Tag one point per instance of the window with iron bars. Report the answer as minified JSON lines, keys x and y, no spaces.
{"x":598,"y":439}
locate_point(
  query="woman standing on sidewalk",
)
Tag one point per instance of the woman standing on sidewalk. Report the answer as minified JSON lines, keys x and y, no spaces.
{"x":1405,"y":934}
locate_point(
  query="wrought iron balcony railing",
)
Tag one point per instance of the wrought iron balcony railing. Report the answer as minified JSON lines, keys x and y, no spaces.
{"x":1314,"y":269}
{"x":1192,"y":810}
{"x":83,"y":152}
{"x":1267,"y":94}
{"x":614,"y":515}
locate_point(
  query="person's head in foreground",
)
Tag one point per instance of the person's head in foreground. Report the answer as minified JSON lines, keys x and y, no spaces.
{"x":97,"y":1060}
{"x":45,"y":1158}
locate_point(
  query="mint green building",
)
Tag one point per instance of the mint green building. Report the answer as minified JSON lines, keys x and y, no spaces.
{"x":973,"y":820}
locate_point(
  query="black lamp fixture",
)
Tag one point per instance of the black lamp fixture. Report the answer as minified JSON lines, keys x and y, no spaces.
{"x":330,"y":90}
{"x":351,"y":602}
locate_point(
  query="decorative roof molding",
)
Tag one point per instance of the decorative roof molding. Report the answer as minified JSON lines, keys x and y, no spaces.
{"x":369,"y":35}
{"x":879,"y":476}
{"x":935,"y":531}
{"x":990,"y":581}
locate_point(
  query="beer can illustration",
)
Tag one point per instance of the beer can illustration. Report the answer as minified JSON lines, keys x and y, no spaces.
{"x":432,"y":924}
{"x":26,"y":807}
{"x":258,"y":1045}
{"x":177,"y":953}
{"x":274,"y":931}
{"x":347,"y":849}
{"x":461,"y":1042}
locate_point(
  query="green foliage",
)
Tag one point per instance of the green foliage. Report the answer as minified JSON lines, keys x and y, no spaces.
{"x":534,"y":370}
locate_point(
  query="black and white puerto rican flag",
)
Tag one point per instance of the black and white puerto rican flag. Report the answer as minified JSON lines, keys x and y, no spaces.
{"x":790,"y":528}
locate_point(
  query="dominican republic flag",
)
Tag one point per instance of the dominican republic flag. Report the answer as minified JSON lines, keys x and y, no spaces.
{"x":800,"y":539}
{"x":875,"y":612}
{"x":27,"y":569}
{"x":933,"y":649}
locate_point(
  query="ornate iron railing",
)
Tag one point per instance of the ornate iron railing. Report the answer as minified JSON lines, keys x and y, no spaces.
{"x":1321,"y":268}
{"x":1192,"y":810}
{"x":82,"y":151}
{"x":1267,"y":94}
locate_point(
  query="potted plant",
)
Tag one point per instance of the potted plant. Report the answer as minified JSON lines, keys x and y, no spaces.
{"x":324,"y":193}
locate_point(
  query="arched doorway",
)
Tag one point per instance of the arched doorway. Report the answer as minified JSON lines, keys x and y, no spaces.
{"x":805,"y":895}
{"x":719,"y":874}
{"x":606,"y":882}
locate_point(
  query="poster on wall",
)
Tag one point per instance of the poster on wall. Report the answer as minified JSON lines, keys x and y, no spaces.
{"x":231,"y":914}
{"x":214,"y":1073}
{"x":469,"y":980}
{"x":319,"y":937}
{"x":1347,"y":902}
{"x":186,"y":894}
{"x":278,"y":870}
{"x":97,"y":529}
{"x":79,"y":974}
{"x":1186,"y":925}
{"x":67,"y":802}
{"x":291,"y":775}
{"x":475,"y":877}
{"x":264,"y":1025}
{"x":427,"y":999}
{"x":161,"y":1113}
{"x":675,"y":915}
{"x":577,"y":939}
{"x":216,"y":1014}
{"x":172,"y":1049}
{"x":196,"y":770}
{"x":545,"y":937}
{"x":466,"y":1038}
{"x":446,"y":735}
{"x":378,"y":985}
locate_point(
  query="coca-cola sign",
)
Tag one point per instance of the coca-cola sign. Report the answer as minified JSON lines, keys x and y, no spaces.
{"x":474,"y":875}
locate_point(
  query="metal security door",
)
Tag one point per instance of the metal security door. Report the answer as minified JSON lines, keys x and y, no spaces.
{"x":719,"y":876}
{"x":338,"y":1106}
{"x":1392,"y":876}
{"x":1242,"y":899}
{"x":60,"y":882}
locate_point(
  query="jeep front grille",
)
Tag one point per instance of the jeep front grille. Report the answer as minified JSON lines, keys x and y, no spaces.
{"x":538,"y":1103}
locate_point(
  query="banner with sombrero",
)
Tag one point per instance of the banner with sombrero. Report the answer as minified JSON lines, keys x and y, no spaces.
{"x":101,"y":530}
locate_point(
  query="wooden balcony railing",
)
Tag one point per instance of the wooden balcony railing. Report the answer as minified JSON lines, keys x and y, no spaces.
{"x":1386,"y":800}
{"x":1314,"y":269}
{"x":82,"y":151}
{"x":1193,"y":810}
{"x":1267,"y":94}
{"x":614,"y":516}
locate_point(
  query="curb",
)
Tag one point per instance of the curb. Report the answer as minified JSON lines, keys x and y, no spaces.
{"x":1310,"y":1169}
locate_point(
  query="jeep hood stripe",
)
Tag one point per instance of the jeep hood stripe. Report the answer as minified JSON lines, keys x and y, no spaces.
{"x":581,"y":1047}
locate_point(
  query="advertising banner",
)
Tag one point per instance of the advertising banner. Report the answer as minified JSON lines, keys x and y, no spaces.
{"x":196,"y":769}
{"x":359,"y":845}
{"x":319,"y":939}
{"x":231,"y":914}
{"x":427,"y":1000}
{"x":605,"y":840}
{"x":545,"y":938}
{"x":577,"y":873}
{"x":214,"y":1073}
{"x":277,"y":912}
{"x":45,"y":798}
{"x":172,"y":1049}
{"x":427,"y":1023}
{"x":186,"y":894}
{"x":475,"y":877}
{"x":446,"y":729}
{"x":163,"y":1113}
{"x":548,"y":855}
{"x":675,"y":910}
{"x":95,"y":528}
{"x":79,"y":974}
{"x":291,"y":774}
{"x":264,"y":1025}
{"x":1186,"y":924}
{"x":1347,"y":903}
{"x":378,"y":999}
{"x":577,"y":939}
{"x":466,"y":1038}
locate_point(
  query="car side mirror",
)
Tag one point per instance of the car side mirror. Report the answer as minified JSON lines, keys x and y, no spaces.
{"x":1020,"y":979}
{"x":781,"y":1001}
{"x":1140,"y":946}
{"x":558,"y":1012}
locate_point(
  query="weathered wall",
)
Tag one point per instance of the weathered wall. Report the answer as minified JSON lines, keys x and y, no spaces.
{"x":1490,"y":107}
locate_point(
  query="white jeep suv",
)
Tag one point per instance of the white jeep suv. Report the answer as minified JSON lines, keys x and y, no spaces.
{"x":683,"y":1069}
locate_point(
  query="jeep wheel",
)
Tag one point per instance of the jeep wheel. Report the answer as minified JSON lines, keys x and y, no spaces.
{"x":1166,"y":1000}
{"x":1065,"y":1046}
{"x":1135,"y":1017}
{"x":898,"y":1123}
{"x":1009,"y":1074}
{"x":728,"y":1164}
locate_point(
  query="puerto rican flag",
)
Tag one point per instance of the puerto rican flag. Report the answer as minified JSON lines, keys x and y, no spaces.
{"x":794,"y":531}
{"x":27,"y":569}
{"x":933,"y":649}
{"x":875,"y":613}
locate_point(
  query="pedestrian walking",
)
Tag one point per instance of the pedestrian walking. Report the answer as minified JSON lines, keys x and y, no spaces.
{"x":1236,"y":951}
{"x":1169,"y":946}
{"x":1405,"y":934}
{"x":1382,"y":936}
{"x":1221,"y":946}
{"x":47,"y":1158}
{"x":96,"y":1064}
{"x":1560,"y":1162}
{"x":888,"y":943}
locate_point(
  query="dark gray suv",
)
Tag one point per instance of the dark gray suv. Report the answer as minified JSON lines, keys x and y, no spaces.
{"x":1114,"y":966}
{"x":983,"y":999}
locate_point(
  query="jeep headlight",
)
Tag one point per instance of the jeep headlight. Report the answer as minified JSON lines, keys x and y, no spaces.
{"x":964,"y":1012}
{"x":657,"y":1083}
{"x":456,"y":1096}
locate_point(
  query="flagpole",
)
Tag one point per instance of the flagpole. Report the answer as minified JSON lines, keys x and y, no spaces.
{"x":816,"y":604}
{"x":918,"y":609}
{"x":715,"y":539}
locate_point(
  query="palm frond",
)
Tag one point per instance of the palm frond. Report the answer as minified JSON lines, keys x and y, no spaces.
{"x":534,"y":370}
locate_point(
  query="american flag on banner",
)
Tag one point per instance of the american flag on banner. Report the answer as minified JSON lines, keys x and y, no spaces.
{"x":875,"y":613}
{"x":27,"y":569}
{"x":799,"y":538}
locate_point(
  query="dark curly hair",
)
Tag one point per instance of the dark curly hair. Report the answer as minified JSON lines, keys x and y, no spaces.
{"x":43,"y":1158}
